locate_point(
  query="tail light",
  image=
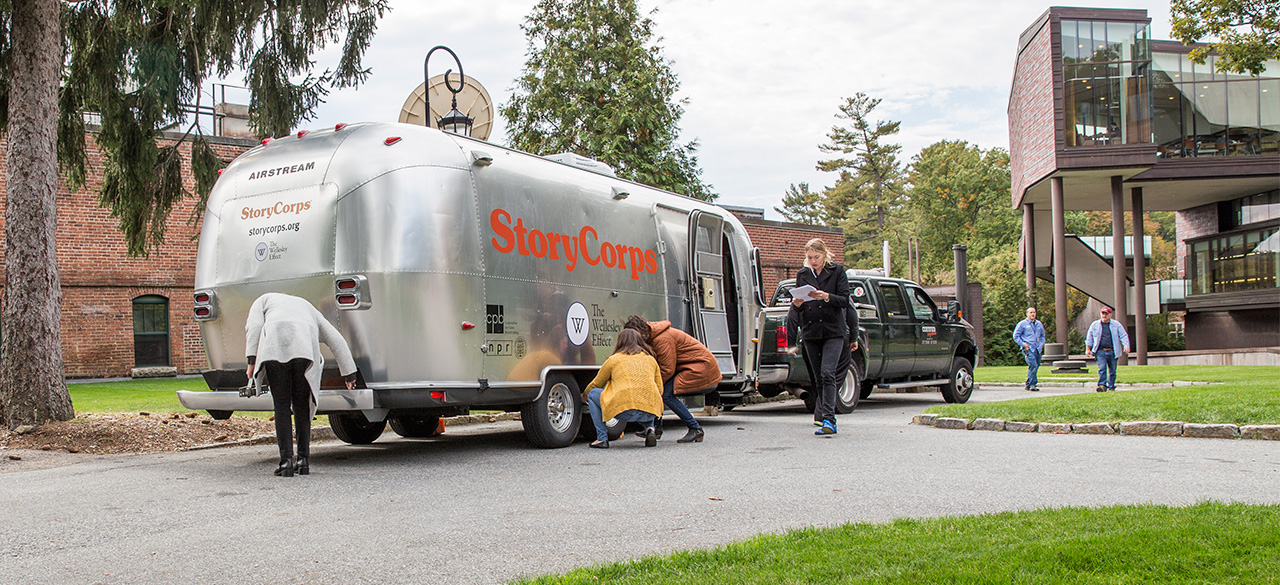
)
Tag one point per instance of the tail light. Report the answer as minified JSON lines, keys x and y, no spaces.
{"x":782,"y":339}
{"x":205,"y":306}
{"x":352,"y":292}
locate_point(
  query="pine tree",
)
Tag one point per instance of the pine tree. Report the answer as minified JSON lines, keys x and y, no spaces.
{"x":868,"y":198}
{"x":800,"y":205}
{"x":139,"y":65}
{"x":596,"y":83}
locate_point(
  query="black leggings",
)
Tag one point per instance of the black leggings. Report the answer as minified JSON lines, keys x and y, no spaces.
{"x":291,"y":395}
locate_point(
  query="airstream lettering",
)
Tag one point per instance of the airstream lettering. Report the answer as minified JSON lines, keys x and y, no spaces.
{"x":462,"y":275}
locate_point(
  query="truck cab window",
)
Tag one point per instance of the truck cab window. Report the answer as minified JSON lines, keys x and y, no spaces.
{"x":921,"y":305}
{"x":894,"y":305}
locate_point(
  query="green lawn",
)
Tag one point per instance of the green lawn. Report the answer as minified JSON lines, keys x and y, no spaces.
{"x":1243,"y":395}
{"x":1135,"y":374}
{"x":149,"y":395}
{"x":1205,"y":543}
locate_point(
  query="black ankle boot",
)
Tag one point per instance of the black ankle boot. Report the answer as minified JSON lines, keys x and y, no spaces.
{"x":286,"y":468}
{"x":693,"y":436}
{"x":303,"y":467}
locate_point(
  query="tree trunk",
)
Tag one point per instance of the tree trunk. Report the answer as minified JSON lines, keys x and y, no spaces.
{"x":32,"y":388}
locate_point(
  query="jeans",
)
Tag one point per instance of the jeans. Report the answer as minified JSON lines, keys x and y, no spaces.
{"x":676,"y":406}
{"x":291,"y":396}
{"x":1107,"y":368}
{"x":824,"y":355}
{"x":1032,"y":356}
{"x":597,"y":414}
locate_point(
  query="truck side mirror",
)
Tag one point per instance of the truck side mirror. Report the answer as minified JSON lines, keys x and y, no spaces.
{"x":953,"y":311}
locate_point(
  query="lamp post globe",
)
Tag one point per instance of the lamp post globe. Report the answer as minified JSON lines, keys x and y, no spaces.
{"x":454,"y":121}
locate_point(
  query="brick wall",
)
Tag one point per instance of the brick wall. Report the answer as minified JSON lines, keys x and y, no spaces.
{"x":1032,"y":136}
{"x":1190,"y":224}
{"x":782,"y":247}
{"x":99,"y":280}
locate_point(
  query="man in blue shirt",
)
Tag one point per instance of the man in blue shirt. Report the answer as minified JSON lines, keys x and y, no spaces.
{"x":1108,"y":340}
{"x":1029,"y":335}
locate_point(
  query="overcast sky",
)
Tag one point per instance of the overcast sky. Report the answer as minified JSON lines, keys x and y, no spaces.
{"x":763,"y":79}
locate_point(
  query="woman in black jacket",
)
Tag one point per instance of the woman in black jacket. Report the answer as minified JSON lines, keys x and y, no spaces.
{"x":823,"y":329}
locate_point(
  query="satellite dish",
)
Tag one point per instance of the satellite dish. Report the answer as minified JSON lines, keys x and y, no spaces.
{"x":473,"y":101}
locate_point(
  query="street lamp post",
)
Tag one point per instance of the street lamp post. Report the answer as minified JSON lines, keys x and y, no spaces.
{"x":454,"y":121}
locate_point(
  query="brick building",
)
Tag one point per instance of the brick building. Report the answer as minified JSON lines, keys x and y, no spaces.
{"x":119,"y":312}
{"x":781,"y":244}
{"x":1103,"y":118}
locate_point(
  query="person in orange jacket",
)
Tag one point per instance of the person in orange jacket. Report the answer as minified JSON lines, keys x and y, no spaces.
{"x":687,"y":367}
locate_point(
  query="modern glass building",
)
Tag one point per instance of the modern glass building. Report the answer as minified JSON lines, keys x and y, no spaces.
{"x":1102,"y":117}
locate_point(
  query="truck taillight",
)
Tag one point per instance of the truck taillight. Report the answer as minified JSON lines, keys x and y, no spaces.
{"x":782,"y":339}
{"x":346,"y":284}
{"x":202,"y":311}
{"x":348,"y":300}
{"x":202,"y":297}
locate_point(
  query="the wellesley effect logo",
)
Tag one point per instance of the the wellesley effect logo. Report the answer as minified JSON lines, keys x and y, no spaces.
{"x":260,"y":252}
{"x":577,"y":324}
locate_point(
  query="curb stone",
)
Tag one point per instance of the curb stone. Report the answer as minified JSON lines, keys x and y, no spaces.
{"x":1020,"y":427}
{"x":1203,"y":431}
{"x":1054,"y":428}
{"x":1158,"y":428}
{"x":924,"y":419}
{"x":988,"y":424}
{"x":1263,"y":432}
{"x":946,"y":422}
{"x":1093,"y":428}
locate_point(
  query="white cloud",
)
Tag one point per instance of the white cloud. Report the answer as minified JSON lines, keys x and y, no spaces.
{"x":763,"y":79}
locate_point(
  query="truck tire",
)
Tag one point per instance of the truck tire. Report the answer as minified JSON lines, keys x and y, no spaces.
{"x":552,"y":421}
{"x":220,"y":414}
{"x":850,"y":391}
{"x":415,"y":426}
{"x":354,"y":428}
{"x":960,"y":386}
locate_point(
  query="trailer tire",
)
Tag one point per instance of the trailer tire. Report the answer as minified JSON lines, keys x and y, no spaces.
{"x":220,"y":414}
{"x":960,"y":385}
{"x":850,"y":391}
{"x":552,"y":421}
{"x":416,"y":426}
{"x":354,"y":428}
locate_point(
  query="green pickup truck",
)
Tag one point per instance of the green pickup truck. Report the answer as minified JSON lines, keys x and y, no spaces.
{"x":906,"y":341}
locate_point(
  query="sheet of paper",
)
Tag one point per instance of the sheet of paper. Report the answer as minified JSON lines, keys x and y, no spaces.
{"x":803,"y":292}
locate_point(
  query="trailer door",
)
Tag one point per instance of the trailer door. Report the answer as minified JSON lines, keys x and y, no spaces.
{"x":710,"y":321}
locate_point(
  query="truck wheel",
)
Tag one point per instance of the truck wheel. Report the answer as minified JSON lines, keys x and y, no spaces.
{"x":960,"y":386}
{"x":415,"y":426}
{"x":849,"y":393}
{"x":553,"y":419}
{"x":354,"y":428}
{"x":220,"y":414}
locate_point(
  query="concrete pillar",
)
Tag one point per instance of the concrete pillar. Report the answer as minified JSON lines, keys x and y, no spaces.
{"x":1120,"y":270}
{"x":1059,"y":259}
{"x":1029,"y":249}
{"x":1138,"y":340}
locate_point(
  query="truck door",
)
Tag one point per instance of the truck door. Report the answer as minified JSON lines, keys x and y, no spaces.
{"x":706,"y":278}
{"x":933,"y":354}
{"x":899,"y":331}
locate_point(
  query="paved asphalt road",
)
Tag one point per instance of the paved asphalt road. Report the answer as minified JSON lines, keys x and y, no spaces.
{"x":480,"y":506}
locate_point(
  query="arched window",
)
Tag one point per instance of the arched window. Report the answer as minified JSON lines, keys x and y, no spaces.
{"x":150,"y":331}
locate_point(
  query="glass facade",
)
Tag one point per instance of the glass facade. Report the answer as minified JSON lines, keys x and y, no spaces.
{"x":1247,"y":258}
{"x":1197,"y":111}
{"x":1107,"y":82}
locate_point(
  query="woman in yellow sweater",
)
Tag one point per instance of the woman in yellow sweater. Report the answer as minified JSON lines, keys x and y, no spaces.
{"x":628,"y":388}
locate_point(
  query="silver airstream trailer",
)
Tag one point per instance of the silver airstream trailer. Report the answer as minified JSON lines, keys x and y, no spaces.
{"x":462,"y":274}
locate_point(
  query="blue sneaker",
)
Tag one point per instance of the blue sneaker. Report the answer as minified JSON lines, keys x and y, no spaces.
{"x":828,"y":428}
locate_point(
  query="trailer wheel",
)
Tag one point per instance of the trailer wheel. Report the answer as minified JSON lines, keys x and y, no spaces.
{"x":960,"y":386}
{"x":851,"y":390}
{"x":415,"y":427}
{"x":552,"y":421}
{"x":220,"y":414}
{"x":354,"y":428}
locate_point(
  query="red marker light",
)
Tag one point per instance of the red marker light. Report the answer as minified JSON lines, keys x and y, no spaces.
{"x":202,"y":312}
{"x":302,"y":133}
{"x":346,"y":284}
{"x":467,"y":325}
{"x":202,"y":297}
{"x":220,"y":172}
{"x":437,"y":395}
{"x":346,"y":299}
{"x":391,"y":140}
{"x":340,"y":126}
{"x":265,"y":141}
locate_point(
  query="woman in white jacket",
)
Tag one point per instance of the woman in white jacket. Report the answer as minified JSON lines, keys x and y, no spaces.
{"x":283,"y":334}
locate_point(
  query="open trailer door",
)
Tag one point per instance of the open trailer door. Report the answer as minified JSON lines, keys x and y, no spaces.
{"x":706,"y":264}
